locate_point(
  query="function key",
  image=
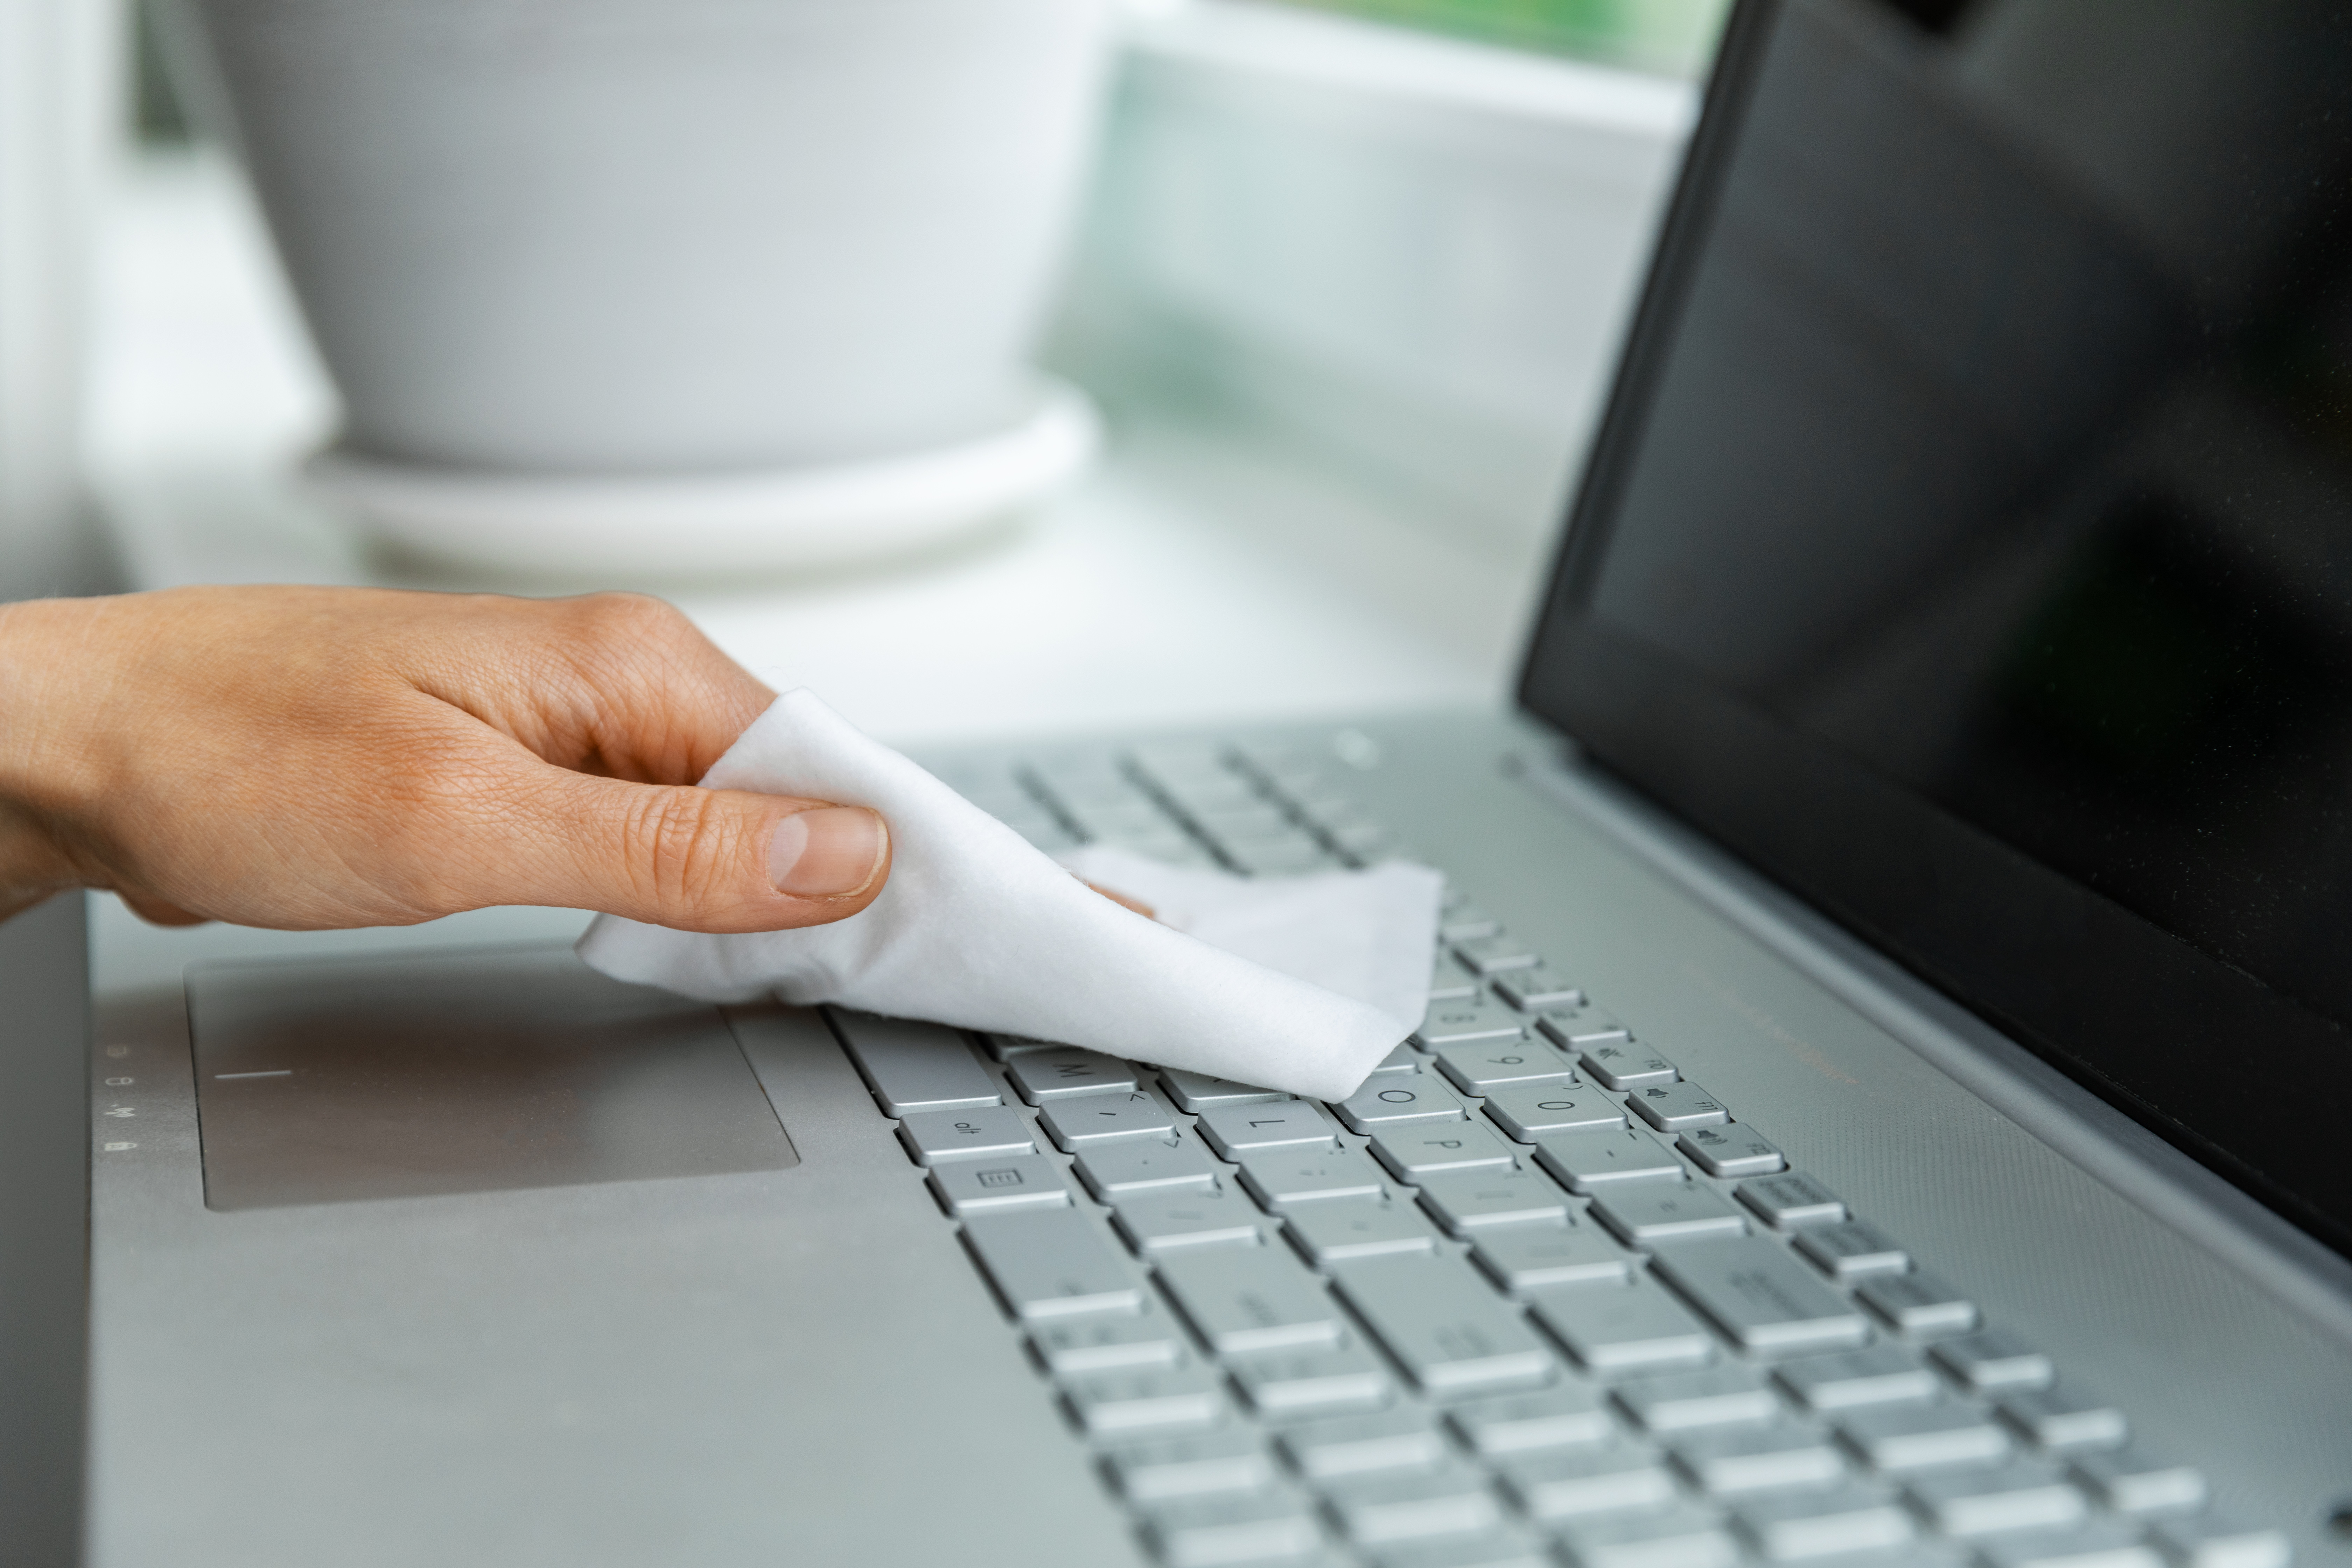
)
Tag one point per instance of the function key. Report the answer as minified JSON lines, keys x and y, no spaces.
{"x":1920,"y":1304}
{"x":1731,"y":1152}
{"x":1616,"y":1064}
{"x":1790,"y":1200}
{"x":1676,"y":1106}
{"x":1468,"y":1019}
{"x":1994,"y":1360}
{"x":1538,"y":987}
{"x":1851,"y":1251}
{"x":1491,"y":955}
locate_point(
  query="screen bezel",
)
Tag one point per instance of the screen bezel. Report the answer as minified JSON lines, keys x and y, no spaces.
{"x":2201,"y":1052}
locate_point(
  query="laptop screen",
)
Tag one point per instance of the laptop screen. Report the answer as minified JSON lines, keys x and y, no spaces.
{"x":1968,"y":543}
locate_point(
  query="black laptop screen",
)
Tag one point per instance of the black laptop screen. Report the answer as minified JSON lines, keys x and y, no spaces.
{"x":1969,"y":541}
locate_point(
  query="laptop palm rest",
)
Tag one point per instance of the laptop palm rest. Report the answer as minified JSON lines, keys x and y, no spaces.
{"x":414,"y":1076}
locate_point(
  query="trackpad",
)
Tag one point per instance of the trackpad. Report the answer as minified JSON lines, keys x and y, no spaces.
{"x":323,"y":1081}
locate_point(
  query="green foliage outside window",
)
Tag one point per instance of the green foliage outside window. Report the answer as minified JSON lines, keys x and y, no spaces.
{"x":1670,"y":37}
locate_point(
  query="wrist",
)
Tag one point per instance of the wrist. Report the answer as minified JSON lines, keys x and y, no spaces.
{"x":37,"y":760}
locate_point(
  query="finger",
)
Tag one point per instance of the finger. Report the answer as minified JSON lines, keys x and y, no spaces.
{"x":1123,"y":901}
{"x":673,"y":855}
{"x":621,"y":685}
{"x":156,"y":912}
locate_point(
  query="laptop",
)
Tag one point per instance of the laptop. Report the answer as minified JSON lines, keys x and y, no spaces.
{"x":1882,"y":1098}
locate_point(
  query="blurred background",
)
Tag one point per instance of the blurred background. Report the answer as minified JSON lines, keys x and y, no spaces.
{"x":1348,"y":286}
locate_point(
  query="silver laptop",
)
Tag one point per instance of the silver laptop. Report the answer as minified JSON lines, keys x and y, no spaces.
{"x":1883,"y":1100}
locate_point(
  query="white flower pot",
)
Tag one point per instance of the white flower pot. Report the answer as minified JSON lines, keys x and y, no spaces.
{"x":546,"y":245}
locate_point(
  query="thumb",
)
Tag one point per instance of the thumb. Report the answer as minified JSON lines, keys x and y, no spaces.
{"x":679,"y":855}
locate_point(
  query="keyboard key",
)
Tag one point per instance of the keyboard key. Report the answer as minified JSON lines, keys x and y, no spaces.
{"x":1451,"y":980}
{"x":1066,"y":1072}
{"x":1541,"y":1257}
{"x":2094,"y":1545}
{"x":1491,"y":955}
{"x":1275,"y":1526}
{"x":1314,"y":1383}
{"x":1111,"y":1170}
{"x":1404,"y":1058}
{"x":1731,"y":1152}
{"x":1463,"y":921}
{"x":1796,"y":1527}
{"x":1649,"y":1214}
{"x":1445,"y":1326}
{"x":914,"y":1066}
{"x":1505,"y":1547}
{"x":1004,"y":1047}
{"x":1883,"y":1374}
{"x":1792,"y":1200}
{"x":2218,"y":1540}
{"x":1676,"y":1536}
{"x":968,"y":1188}
{"x":1993,"y":1361}
{"x":1740,"y":1461}
{"x":1279,"y":1178}
{"x":1462,"y":1201}
{"x":1612,"y":1059}
{"x":1424,"y":1150}
{"x":1461,"y":1020}
{"x":1899,"y":1438}
{"x":1688,"y":1401}
{"x":1232,"y":1461}
{"x":1195,"y":1092}
{"x":1570,"y":1483}
{"x":1106,"y":1344}
{"x":932,"y":1136}
{"x":1331,"y":1233}
{"x":1385,"y":1440}
{"x":1448,"y":1499}
{"x":1053,"y":1263}
{"x":1675,"y":1107}
{"x":2130,"y":1481}
{"x":1155,"y":1224}
{"x":1564,"y":1417}
{"x":1764,"y":1300}
{"x":1232,"y":1129}
{"x":2063,"y":1419}
{"x":1624,"y":1328}
{"x":1528,"y":989}
{"x":1593,"y":1161}
{"x":2019,"y":1495}
{"x":1247,"y":1300}
{"x":1481,"y":1068}
{"x":1386,"y":1102}
{"x":1096,"y":1118}
{"x":1532,"y":1111}
{"x":1920,"y":1304}
{"x":1851,"y":1251}
{"x":1110,"y":1404}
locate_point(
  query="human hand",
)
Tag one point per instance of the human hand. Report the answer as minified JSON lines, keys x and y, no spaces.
{"x":307,"y":758}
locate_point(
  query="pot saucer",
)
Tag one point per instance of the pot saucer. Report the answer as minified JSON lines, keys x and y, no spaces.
{"x":702,"y":525}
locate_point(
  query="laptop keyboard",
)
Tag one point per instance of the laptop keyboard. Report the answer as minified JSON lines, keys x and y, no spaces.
{"x":1529,"y":1297}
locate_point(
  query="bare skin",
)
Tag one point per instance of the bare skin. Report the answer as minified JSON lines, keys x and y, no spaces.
{"x":307,"y":758}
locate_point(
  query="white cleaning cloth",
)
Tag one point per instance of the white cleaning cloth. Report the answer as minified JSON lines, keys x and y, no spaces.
{"x":1298,"y":983}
